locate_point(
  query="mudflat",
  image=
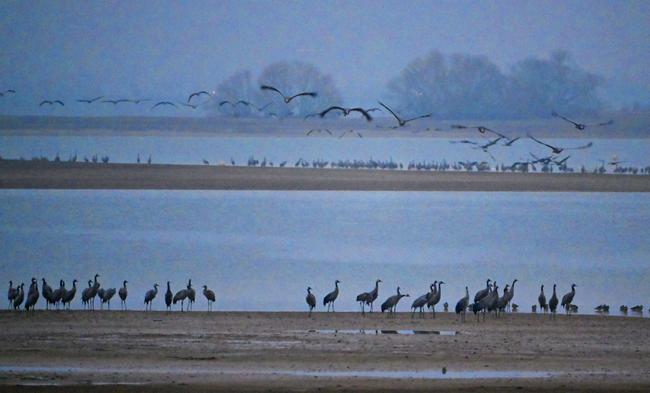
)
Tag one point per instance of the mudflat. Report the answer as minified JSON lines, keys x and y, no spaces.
{"x":16,"y":174}
{"x":133,"y":351}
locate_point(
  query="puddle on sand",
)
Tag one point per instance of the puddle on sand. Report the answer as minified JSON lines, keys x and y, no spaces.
{"x":384,"y":331}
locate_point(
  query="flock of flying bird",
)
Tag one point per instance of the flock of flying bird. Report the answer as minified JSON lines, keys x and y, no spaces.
{"x":345,"y":111}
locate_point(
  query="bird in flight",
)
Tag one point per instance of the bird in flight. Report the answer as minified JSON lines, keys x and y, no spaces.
{"x":48,"y":102}
{"x":401,"y":121}
{"x":351,"y":132}
{"x":558,"y":150}
{"x":346,"y":111}
{"x":511,"y":141}
{"x":10,"y":91}
{"x":562,"y":161}
{"x":198,"y":94}
{"x":162,"y":103}
{"x":318,"y":130}
{"x":224,"y":102}
{"x":115,"y":102}
{"x":287,"y":99}
{"x":543,"y":160}
{"x":582,"y":126}
{"x":90,"y":100}
{"x":465,"y":141}
{"x":139,"y":100}
{"x":480,"y":129}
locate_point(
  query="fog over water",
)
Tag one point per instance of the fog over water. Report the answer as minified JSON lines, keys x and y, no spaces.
{"x":77,"y":49}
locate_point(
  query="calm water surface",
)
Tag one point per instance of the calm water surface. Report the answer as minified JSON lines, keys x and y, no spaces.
{"x":260,"y":250}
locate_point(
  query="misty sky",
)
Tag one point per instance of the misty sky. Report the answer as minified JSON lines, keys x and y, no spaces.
{"x":70,"y":49}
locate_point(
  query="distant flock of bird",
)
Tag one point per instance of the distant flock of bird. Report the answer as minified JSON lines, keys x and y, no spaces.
{"x":486,"y":301}
{"x":62,"y":297}
{"x":522,"y":166}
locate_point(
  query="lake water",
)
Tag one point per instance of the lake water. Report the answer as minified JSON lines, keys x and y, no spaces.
{"x":192,"y":150}
{"x":260,"y":250}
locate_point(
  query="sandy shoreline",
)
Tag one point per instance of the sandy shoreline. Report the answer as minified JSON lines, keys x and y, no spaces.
{"x":43,"y":175}
{"x":198,"y":351}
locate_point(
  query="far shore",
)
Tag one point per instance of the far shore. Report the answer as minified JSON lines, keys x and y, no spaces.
{"x":17,"y":174}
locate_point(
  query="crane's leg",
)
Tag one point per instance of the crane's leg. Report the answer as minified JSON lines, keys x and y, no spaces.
{"x":333,"y":307}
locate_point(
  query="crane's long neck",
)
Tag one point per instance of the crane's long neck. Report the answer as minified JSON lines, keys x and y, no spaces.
{"x":467,"y":292}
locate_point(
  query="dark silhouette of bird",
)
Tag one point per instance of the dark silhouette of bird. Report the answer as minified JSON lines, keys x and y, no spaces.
{"x":209,"y":295}
{"x":139,"y":100}
{"x":58,"y":293}
{"x":90,"y":100}
{"x":582,"y":126}
{"x":350,"y":132}
{"x":483,"y":292}
{"x":511,"y":141}
{"x":558,"y":150}
{"x":311,"y":300}
{"x":123,"y":293}
{"x":2,"y":94}
{"x":149,"y":296}
{"x":330,"y":298}
{"x":287,"y":99}
{"x":480,"y":129}
{"x":562,"y":161}
{"x":169,"y":296}
{"x":541,"y":299}
{"x":12,"y":293}
{"x":163,"y":103}
{"x":198,"y":94}
{"x":552,"y":304}
{"x":48,"y":102}
{"x":346,"y":111}
{"x":224,"y":102}
{"x":420,"y":302}
{"x":180,"y":296}
{"x":20,"y":296}
{"x":191,"y":295}
{"x":115,"y":102}
{"x":390,"y":304}
{"x":318,"y":130}
{"x":461,"y":306}
{"x":568,"y":298}
{"x":32,"y":295}
{"x":368,"y":298}
{"x":400,"y":121}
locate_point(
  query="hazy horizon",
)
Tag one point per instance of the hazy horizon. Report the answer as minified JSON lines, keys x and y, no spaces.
{"x":82,"y":49}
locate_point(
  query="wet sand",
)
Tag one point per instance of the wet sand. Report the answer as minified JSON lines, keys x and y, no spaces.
{"x":156,"y":351}
{"x":49,"y":175}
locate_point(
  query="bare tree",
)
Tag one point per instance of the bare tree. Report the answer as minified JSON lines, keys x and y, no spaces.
{"x":466,"y":86}
{"x":538,"y":86}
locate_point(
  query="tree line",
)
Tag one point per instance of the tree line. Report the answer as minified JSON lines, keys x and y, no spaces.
{"x":455,"y":86}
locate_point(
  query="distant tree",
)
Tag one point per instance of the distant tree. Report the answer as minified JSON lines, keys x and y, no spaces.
{"x":464,"y":86}
{"x":459,"y":86}
{"x":538,"y":86}
{"x":295,"y":77}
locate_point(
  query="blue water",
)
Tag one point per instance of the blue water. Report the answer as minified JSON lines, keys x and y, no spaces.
{"x":260,"y":250}
{"x":192,"y":150}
